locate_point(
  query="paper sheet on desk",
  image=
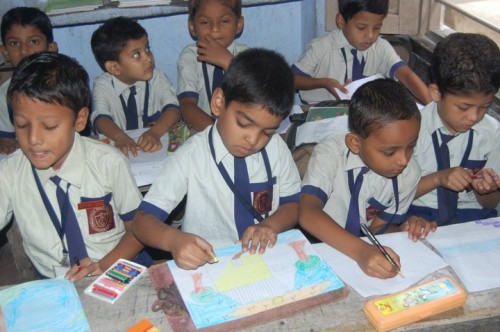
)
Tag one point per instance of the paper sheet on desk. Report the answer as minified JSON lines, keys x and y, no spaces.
{"x":473,"y":250}
{"x":417,"y":261}
{"x":314,"y":132}
{"x":286,"y":123}
{"x":353,"y":86}
{"x":146,"y":165}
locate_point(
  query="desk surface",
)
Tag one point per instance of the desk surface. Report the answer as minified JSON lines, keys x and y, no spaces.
{"x":480,"y":312}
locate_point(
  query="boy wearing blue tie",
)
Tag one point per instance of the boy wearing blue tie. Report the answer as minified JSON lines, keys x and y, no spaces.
{"x":132,"y":93}
{"x":352,"y":52}
{"x":71,"y":195}
{"x":239,"y":176}
{"x":366,"y":177}
{"x":201,"y":65}
{"x":458,"y":144}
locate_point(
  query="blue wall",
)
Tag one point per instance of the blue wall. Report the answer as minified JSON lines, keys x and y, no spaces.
{"x":284,"y":27}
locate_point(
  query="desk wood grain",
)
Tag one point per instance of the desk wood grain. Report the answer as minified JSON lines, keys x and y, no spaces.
{"x":481,"y":312}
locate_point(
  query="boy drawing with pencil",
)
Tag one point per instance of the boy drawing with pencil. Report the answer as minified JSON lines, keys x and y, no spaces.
{"x":458,"y":144}
{"x":352,"y":52}
{"x":239,"y":176}
{"x":71,"y":195}
{"x":24,"y":30}
{"x":366,"y":177}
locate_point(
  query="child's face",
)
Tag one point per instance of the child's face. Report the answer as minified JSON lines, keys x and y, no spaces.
{"x":135,"y":62}
{"x":216,"y":20}
{"x":245,"y":129}
{"x":45,"y":132}
{"x":21,"y":41}
{"x":460,"y":113}
{"x":362,"y":30}
{"x":387,"y":150}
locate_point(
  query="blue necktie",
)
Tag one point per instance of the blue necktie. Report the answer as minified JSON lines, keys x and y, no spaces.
{"x":69,"y":224}
{"x":218,"y":77}
{"x":131,"y":114}
{"x":243,"y":217}
{"x":357,"y":67}
{"x":353,"y":218}
{"x":447,"y":199}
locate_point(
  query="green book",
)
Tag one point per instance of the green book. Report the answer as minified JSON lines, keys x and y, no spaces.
{"x":320,"y":113}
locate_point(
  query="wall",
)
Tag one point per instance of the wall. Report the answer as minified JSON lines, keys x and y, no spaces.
{"x":284,"y":27}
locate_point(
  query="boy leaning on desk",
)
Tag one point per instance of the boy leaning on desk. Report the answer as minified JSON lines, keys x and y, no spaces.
{"x":72,"y":196}
{"x":239,"y":176}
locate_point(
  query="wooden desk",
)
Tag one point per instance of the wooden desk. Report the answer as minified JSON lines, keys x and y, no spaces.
{"x":481,"y":312}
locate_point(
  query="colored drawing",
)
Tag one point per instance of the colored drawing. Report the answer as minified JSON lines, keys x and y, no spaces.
{"x":233,"y":289}
{"x":42,"y":305}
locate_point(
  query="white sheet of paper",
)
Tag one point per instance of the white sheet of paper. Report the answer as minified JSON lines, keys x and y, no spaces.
{"x":473,"y":250}
{"x":315,"y":131}
{"x":353,"y":86}
{"x":417,"y":261}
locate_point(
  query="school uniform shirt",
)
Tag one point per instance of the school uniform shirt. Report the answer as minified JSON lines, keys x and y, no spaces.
{"x":324,"y":58}
{"x":6,"y":126}
{"x":106,"y":98}
{"x":486,"y":136}
{"x":191,"y":81}
{"x":327,"y":179}
{"x":209,"y":210}
{"x":96,"y":172}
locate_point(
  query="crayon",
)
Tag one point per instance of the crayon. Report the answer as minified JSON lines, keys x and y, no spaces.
{"x":103,"y":291}
{"x":116,"y":276}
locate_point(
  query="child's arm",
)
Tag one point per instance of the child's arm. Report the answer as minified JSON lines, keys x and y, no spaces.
{"x":210,"y":51}
{"x":123,"y":142}
{"x":193,"y":115}
{"x":456,"y":179}
{"x":416,"y":86}
{"x":127,"y":248}
{"x":486,"y":186}
{"x":314,"y":220}
{"x":150,"y":140}
{"x":309,"y":83}
{"x":265,"y":233}
{"x":189,"y":251}
{"x":8,"y":145}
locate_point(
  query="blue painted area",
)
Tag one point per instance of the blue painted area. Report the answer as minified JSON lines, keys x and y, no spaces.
{"x":471,"y":248}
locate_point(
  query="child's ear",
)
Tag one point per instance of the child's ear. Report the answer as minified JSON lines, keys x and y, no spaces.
{"x":53,"y":47}
{"x":434,"y":91}
{"x":4,"y":52}
{"x":353,"y":142}
{"x":339,"y":20}
{"x":81,"y":119}
{"x":217,"y":102}
{"x":191,"y":28}
{"x":239,"y":25}
{"x":112,"y":67}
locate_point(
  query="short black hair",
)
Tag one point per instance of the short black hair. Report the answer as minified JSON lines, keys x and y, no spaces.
{"x":260,"y":76}
{"x":27,"y":16}
{"x":235,"y":6}
{"x":349,"y":8}
{"x":464,"y":63}
{"x":377,"y":103}
{"x":112,"y":36}
{"x":52,"y":78}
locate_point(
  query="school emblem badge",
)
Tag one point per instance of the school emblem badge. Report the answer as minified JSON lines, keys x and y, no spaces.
{"x":100,"y":219}
{"x":262,"y":201}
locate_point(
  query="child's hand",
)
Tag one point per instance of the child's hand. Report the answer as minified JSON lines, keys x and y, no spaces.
{"x":418,"y":228}
{"x":456,"y":178}
{"x":125,"y":143}
{"x":211,"y":51}
{"x":330,"y":84}
{"x":8,"y":145}
{"x":486,"y":181}
{"x":87,"y":268}
{"x":259,"y":235}
{"x":374,"y":263}
{"x":149,"y":142}
{"x":191,"y":251}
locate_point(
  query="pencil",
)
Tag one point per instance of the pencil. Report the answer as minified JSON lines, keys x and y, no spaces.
{"x":77,"y":262}
{"x":375,"y":242}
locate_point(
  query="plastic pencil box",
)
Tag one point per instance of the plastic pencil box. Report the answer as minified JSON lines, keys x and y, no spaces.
{"x":413,"y":304}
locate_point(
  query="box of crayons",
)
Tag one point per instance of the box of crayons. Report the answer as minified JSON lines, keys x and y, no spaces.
{"x":115,"y":281}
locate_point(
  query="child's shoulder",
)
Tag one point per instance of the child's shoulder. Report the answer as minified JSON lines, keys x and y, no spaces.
{"x":98,"y":151}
